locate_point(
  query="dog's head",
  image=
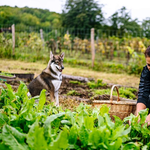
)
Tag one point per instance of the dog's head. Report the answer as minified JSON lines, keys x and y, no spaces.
{"x":57,"y":61}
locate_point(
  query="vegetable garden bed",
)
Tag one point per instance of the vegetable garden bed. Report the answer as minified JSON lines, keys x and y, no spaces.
{"x":27,"y":125}
{"x":78,"y":89}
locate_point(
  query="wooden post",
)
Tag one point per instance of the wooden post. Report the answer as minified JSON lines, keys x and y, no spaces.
{"x":41,"y":33}
{"x":56,"y":39}
{"x":92,"y":46}
{"x":13,"y":38}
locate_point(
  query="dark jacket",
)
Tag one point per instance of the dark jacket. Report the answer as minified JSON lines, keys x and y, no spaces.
{"x":144,"y":88}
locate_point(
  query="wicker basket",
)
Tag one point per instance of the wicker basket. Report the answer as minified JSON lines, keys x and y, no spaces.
{"x":120,"y":107}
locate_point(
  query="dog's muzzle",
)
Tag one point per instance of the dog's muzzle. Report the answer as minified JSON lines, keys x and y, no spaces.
{"x":62,"y":67}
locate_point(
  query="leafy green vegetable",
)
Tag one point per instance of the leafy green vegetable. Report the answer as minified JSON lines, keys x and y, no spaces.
{"x":13,"y":138}
{"x":83,"y":136}
{"x":75,"y":82}
{"x":35,"y":137}
{"x":42,"y":100}
{"x":97,"y":84}
{"x":6,"y":74}
{"x":73,"y":92}
{"x":3,"y":119}
{"x":61,"y":142}
{"x":25,"y":125}
{"x":123,"y":92}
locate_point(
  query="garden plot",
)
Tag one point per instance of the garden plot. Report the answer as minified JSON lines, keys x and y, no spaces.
{"x":75,"y":90}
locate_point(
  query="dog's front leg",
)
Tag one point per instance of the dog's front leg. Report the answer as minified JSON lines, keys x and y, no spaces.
{"x":52,"y":96}
{"x":57,"y":99}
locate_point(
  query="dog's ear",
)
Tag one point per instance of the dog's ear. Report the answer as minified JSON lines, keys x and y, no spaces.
{"x":51,"y":56}
{"x":62,"y":55}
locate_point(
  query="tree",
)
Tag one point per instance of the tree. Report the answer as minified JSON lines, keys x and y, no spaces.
{"x":30,"y":20}
{"x":122,"y":23}
{"x":146,"y":27}
{"x":27,"y":18}
{"x":82,"y":14}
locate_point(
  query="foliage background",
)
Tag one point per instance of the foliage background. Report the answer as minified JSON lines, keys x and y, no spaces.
{"x":119,"y":40}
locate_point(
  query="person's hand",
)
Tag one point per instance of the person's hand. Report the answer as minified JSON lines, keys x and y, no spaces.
{"x":148,"y":120}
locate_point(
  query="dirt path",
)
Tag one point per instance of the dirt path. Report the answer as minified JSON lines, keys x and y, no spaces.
{"x":15,"y":66}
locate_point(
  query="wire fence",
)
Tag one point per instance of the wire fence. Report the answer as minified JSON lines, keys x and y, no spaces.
{"x":109,"y":45}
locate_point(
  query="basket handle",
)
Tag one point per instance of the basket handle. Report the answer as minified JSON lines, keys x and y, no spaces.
{"x":111,"y":97}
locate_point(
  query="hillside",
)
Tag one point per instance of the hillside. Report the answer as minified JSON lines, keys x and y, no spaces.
{"x":28,"y":17}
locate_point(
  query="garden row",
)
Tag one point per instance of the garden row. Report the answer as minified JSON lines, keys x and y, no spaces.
{"x":117,"y":54}
{"x":26,"y":124}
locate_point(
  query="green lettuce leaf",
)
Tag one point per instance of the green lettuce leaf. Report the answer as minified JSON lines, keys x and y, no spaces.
{"x":35,"y":137}
{"x":13,"y":138}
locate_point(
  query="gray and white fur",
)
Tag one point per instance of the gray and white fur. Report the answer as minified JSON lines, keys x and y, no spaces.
{"x":50,"y":78}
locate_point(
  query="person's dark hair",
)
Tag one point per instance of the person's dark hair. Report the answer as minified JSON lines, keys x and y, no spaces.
{"x":147,"y":52}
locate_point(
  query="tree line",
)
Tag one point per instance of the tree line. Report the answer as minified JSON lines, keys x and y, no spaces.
{"x":23,"y":17}
{"x":76,"y":14}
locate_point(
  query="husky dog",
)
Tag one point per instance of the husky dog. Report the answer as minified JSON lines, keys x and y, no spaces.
{"x":50,"y":78}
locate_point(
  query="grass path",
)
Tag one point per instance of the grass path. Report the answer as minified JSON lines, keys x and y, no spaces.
{"x":16,"y":66}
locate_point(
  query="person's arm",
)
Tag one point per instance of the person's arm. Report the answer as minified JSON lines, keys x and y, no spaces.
{"x":144,"y":92}
{"x":144,"y":88}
